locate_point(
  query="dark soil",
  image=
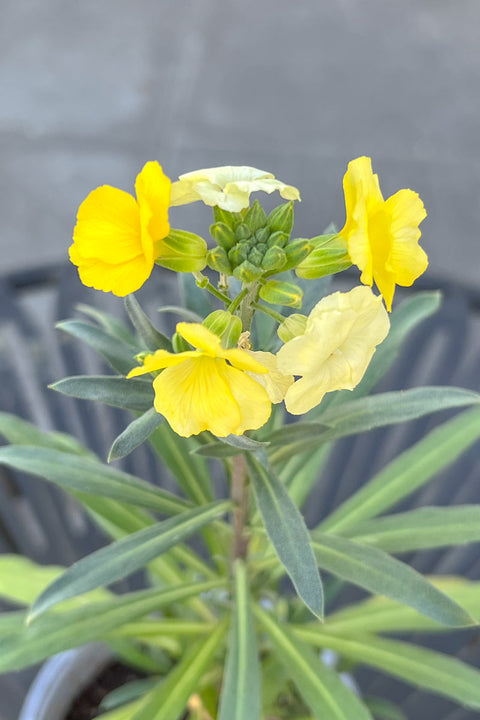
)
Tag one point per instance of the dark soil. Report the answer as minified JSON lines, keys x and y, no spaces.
{"x":85,"y":706}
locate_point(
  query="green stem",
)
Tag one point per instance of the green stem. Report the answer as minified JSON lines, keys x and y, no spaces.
{"x":247,"y":306}
{"x":204,"y":282}
{"x":268,"y":311}
{"x":236,"y":302}
{"x":240,"y":498}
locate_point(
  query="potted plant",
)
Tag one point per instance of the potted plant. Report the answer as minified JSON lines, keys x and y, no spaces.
{"x":242,"y":404}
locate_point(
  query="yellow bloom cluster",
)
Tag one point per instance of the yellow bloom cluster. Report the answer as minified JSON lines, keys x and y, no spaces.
{"x":229,"y":391}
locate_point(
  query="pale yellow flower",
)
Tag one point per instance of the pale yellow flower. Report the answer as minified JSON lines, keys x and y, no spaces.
{"x":228,"y":187}
{"x":340,"y":337}
{"x":117,"y":238}
{"x":382,"y":235}
{"x":275,"y":383}
{"x":207,"y":388}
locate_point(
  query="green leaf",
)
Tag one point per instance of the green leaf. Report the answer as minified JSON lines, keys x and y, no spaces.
{"x":185,"y":314}
{"x":150,"y":336}
{"x":190,"y":471}
{"x":121,"y":558}
{"x":170,"y":698}
{"x":21,"y":580}
{"x":320,"y":687}
{"x":286,"y":529}
{"x":118,"y":354}
{"x":409,"y":471}
{"x":57,"y":631}
{"x":217,"y":450}
{"x":241,"y":695}
{"x":135,"y":434}
{"x":428,"y":527}
{"x":418,"y":666}
{"x":134,"y":394}
{"x":382,"y":574}
{"x":366,"y":414}
{"x":380,"y":614}
{"x":383,"y":709}
{"x":20,"y":432}
{"x":85,"y":475}
{"x":114,"y":327}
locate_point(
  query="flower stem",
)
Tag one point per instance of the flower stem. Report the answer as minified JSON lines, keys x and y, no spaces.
{"x":204,"y":282}
{"x":268,"y":311}
{"x":240,"y":498}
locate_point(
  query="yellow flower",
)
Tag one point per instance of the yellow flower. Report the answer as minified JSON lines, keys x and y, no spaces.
{"x":382,"y":235}
{"x":207,"y":388}
{"x":117,"y":238}
{"x":275,"y":383}
{"x":228,"y":187}
{"x":340,"y":337}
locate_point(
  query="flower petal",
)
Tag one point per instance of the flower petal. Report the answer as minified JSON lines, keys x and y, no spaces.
{"x":152,"y":187}
{"x":275,"y":383}
{"x":252,"y":399}
{"x":120,"y":279}
{"x":201,"y":337}
{"x":195,"y":396}
{"x":108,"y":227}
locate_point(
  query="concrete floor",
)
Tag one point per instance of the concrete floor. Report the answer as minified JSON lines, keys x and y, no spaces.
{"x":91,"y":90}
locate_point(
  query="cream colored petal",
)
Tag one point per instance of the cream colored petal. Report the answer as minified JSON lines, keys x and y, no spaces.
{"x":275,"y":383}
{"x":195,"y":396}
{"x":252,"y":399}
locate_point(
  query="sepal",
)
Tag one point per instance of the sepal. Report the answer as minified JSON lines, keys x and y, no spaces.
{"x":293,"y":326}
{"x":183,"y":251}
{"x":329,"y":256}
{"x":228,"y":327}
{"x":278,"y":292}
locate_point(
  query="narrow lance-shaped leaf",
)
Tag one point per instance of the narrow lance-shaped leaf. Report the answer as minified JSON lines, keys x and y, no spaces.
{"x":153,"y":338}
{"x":240,"y":696}
{"x":368,"y":413}
{"x":117,"y":353}
{"x":54,"y":632}
{"x":382,"y":574}
{"x":287,"y":531}
{"x":123,"y":557}
{"x":428,"y":527}
{"x":409,"y":471}
{"x":171,"y":697}
{"x":134,"y":394}
{"x":20,"y":432}
{"x":321,"y":688}
{"x":380,"y":614}
{"x":418,"y":666}
{"x":83,"y":474}
{"x":135,"y":434}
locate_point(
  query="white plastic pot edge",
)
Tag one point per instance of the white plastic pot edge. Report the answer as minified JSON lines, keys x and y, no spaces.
{"x":61,"y":679}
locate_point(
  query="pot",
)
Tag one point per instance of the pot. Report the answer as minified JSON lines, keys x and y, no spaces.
{"x":61,"y":680}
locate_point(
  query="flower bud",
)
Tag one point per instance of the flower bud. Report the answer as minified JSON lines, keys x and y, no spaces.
{"x":239,"y":253}
{"x":295,"y":252}
{"x":329,"y":256}
{"x":231,"y":219}
{"x":292,"y":326}
{"x":274,"y":259}
{"x":262,"y":235}
{"x":278,"y":292}
{"x":281,"y":218}
{"x":183,"y":251}
{"x":228,"y":327}
{"x":255,"y":218}
{"x":223,"y":235}
{"x":278,"y":239}
{"x":217,"y":259}
{"x":242,"y":232}
{"x":179,"y":344}
{"x":247,"y":272}
{"x":255,"y":256}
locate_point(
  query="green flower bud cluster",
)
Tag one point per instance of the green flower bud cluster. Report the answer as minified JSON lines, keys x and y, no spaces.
{"x":251,"y":245}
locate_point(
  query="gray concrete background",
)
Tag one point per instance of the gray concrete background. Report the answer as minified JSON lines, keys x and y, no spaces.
{"x":91,"y":90}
